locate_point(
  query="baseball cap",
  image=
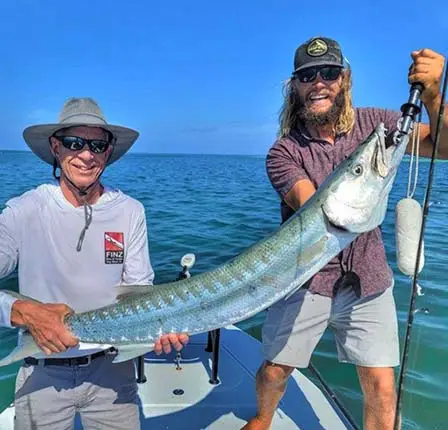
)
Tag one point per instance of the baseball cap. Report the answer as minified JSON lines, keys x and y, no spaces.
{"x":318,"y":51}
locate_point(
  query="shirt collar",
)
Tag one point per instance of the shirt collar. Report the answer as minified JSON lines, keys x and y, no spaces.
{"x":300,"y":133}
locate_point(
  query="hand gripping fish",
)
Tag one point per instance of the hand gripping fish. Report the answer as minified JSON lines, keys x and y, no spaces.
{"x":351,"y":201}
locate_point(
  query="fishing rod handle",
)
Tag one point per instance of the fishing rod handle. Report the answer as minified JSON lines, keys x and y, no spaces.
{"x":415,"y":93}
{"x":411,"y":109}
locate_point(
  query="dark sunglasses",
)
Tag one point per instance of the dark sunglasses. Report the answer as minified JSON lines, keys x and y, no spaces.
{"x":327,"y":73}
{"x":76,"y":143}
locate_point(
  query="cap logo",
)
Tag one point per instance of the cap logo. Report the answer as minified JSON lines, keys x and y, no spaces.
{"x":317,"y":48}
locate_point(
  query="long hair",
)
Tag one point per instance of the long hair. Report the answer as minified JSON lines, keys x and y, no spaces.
{"x":288,"y":118}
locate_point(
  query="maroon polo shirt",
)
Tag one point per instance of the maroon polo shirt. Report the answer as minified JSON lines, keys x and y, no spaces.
{"x":299,"y":156}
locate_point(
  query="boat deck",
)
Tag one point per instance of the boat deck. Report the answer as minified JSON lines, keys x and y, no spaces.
{"x":184,"y":399}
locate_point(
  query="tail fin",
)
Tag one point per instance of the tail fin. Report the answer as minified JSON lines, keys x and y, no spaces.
{"x":25,"y":348}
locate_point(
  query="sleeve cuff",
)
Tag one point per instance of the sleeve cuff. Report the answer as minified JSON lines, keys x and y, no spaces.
{"x":6,"y":302}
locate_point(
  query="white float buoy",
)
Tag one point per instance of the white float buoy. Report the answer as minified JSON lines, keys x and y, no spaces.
{"x":408,"y":223}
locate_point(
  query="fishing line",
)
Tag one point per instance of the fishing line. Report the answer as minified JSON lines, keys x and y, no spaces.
{"x":408,"y":211}
{"x":415,"y":289}
{"x":414,"y":153}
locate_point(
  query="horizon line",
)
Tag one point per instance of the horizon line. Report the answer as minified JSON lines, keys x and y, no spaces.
{"x":154,"y":153}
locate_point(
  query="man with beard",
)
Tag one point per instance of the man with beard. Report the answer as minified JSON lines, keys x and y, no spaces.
{"x":352,"y":294}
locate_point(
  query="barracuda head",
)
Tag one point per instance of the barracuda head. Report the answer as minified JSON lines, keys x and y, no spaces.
{"x":357,"y":197}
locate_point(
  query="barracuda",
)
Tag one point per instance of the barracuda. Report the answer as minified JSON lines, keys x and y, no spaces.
{"x":351,"y":201}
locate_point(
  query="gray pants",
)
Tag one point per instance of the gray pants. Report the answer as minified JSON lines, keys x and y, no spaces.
{"x":365,"y":329}
{"x":104,"y":394}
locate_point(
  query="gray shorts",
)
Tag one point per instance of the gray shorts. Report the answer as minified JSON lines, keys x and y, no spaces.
{"x":365,"y":329}
{"x":104,"y":395}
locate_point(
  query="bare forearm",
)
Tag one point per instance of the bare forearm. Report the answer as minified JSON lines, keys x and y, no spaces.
{"x":433,"y":109}
{"x":300,"y":193}
{"x":427,"y":69}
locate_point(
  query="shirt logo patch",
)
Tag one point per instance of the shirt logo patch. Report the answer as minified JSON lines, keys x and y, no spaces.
{"x":113,"y":248}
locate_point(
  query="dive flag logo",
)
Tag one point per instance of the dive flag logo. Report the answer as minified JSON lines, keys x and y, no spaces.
{"x":114,"y":247}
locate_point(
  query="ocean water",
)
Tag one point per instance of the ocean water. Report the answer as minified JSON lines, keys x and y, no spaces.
{"x":217,"y":206}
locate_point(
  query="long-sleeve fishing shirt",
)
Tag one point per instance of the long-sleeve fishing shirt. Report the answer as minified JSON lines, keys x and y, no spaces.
{"x":39,"y":233}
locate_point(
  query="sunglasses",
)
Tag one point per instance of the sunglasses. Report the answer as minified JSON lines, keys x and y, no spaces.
{"x":76,"y":143}
{"x":327,"y":73}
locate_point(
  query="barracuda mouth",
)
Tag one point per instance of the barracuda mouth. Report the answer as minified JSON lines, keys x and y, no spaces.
{"x":339,"y":227}
{"x":332,"y":225}
{"x":382,"y":155}
{"x":395,"y":147}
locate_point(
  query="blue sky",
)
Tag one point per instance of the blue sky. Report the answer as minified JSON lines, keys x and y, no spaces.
{"x":197,"y":76}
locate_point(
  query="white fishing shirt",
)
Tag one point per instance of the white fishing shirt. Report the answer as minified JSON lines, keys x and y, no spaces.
{"x":39,"y":232}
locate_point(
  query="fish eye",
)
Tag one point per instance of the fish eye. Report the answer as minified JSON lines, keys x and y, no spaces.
{"x":357,"y":169}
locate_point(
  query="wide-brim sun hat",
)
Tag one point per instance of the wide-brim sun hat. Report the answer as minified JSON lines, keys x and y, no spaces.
{"x":78,"y":112}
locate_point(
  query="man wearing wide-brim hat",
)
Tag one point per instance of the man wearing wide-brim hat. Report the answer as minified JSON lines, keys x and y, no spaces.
{"x":62,"y":235}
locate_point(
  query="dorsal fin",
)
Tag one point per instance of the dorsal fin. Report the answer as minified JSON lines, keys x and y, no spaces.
{"x":127,"y":291}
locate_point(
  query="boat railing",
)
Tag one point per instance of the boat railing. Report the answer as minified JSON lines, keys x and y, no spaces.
{"x":212,"y":347}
